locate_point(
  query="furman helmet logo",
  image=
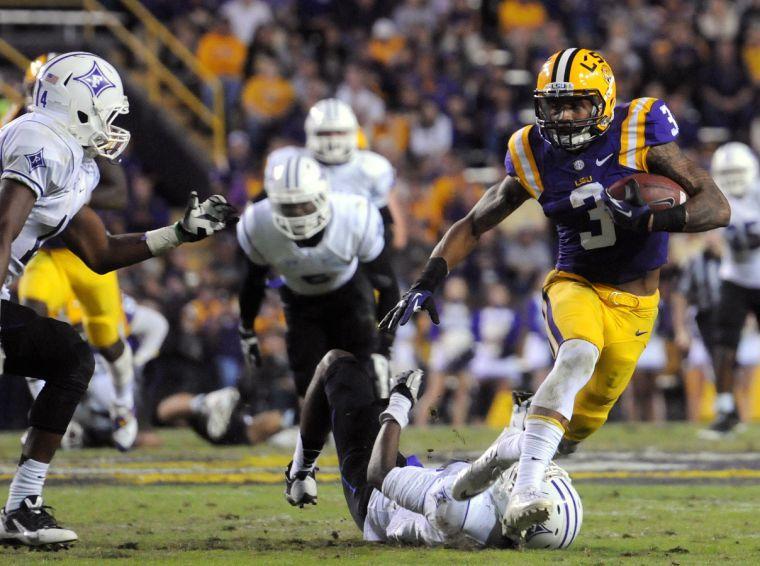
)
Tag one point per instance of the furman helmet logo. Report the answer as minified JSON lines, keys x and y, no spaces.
{"x":35,"y":160}
{"x":536,"y":530}
{"x":95,"y":80}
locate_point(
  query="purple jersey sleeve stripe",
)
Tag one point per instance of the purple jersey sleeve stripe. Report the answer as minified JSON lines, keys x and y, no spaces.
{"x":26,"y":179}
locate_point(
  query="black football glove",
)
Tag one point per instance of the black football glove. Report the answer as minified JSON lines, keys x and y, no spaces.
{"x":631,"y":212}
{"x":414,"y":300}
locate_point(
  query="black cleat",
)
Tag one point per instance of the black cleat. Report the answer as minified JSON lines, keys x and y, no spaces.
{"x":566,"y":448}
{"x":301,"y":489}
{"x":32,"y":525}
{"x":723,"y":425}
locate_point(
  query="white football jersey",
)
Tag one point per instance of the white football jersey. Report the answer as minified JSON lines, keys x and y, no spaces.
{"x":416,"y":507}
{"x":367,"y":173}
{"x":741,"y":260}
{"x":354,"y":234}
{"x":37,"y":152}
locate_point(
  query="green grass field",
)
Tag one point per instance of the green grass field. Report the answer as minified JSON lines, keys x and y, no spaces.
{"x":140,"y":521}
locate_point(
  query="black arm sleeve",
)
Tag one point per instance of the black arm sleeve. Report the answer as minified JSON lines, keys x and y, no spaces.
{"x":252,"y":293}
{"x":383,"y":279}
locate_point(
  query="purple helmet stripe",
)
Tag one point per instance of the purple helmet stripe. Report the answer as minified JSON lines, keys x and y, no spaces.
{"x":296,"y":169}
{"x":570,"y":495}
{"x":567,"y":512}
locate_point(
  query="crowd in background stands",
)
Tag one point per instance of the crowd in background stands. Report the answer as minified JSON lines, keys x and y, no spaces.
{"x":438,"y":86}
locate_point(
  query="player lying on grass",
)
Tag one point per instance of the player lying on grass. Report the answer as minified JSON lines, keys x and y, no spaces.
{"x":221,"y":418}
{"x":390,"y":500}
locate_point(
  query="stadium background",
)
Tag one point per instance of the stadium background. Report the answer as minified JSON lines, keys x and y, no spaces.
{"x":438,"y":87}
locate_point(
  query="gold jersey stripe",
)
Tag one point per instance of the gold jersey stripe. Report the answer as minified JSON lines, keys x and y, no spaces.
{"x":525,"y":164}
{"x":632,"y":143}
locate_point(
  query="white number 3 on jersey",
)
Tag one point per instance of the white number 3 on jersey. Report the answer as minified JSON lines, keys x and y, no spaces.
{"x":665,"y":110}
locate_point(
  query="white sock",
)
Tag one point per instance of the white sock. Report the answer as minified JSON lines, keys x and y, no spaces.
{"x":196,"y":404}
{"x":540,"y":441}
{"x":509,"y":447}
{"x":29,"y":479}
{"x":724,"y":403}
{"x":303,"y":460}
{"x":123,"y":374}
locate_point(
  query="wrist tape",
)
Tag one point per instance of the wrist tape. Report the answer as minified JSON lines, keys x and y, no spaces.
{"x":669,"y":220}
{"x":398,"y":410}
{"x":162,"y":240}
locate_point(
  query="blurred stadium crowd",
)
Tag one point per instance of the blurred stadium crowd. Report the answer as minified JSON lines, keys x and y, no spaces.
{"x":438,"y":86}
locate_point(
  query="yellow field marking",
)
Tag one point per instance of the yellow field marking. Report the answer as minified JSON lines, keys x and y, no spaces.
{"x":267,"y":461}
{"x":269,"y":477}
{"x":212,"y":478}
{"x":669,"y":474}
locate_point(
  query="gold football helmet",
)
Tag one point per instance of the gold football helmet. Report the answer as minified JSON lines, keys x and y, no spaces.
{"x":568,"y":77}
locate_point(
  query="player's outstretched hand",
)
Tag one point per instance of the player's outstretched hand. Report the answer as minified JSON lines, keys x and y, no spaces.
{"x":249,"y":344}
{"x":405,"y":390}
{"x":408,"y":383}
{"x":203,"y":219}
{"x":631,"y":212}
{"x":414,"y":300}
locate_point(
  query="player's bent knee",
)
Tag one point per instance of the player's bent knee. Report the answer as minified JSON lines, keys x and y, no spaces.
{"x":572,"y":369}
{"x":330,"y":361}
{"x":67,"y":383}
{"x":74,"y":365}
{"x":103,"y":331}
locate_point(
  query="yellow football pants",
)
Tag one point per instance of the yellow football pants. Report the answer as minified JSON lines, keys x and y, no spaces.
{"x":619,"y":324}
{"x":58,"y":278}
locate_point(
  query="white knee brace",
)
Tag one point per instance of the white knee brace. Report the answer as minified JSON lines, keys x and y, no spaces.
{"x":572,"y":370}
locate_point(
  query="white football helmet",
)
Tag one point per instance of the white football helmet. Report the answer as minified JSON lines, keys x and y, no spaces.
{"x":734,"y":168}
{"x":85,"y":94}
{"x":297,"y":189}
{"x":565,"y":518}
{"x":332,"y":131}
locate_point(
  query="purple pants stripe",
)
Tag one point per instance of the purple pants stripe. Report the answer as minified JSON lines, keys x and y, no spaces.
{"x":550,"y":320}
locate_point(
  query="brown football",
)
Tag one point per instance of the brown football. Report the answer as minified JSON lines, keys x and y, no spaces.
{"x":657,"y":191}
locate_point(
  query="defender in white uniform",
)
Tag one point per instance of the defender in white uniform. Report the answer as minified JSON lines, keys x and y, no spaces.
{"x":735,"y":170}
{"x":48,"y":174}
{"x":316,"y":241}
{"x":332,"y":134}
{"x":392,"y":499}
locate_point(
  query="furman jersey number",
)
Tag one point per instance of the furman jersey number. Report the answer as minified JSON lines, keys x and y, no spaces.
{"x":601,"y":235}
{"x":743,"y":238}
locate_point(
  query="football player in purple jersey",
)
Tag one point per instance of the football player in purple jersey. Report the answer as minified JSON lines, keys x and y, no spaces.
{"x":600,"y":302}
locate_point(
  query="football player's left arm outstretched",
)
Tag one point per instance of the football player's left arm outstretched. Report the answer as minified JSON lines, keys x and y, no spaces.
{"x":102,"y":252}
{"x":706,"y":208}
{"x":457,"y":243}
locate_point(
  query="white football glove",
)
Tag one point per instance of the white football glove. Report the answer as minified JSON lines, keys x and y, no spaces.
{"x":202,"y":220}
{"x":408,"y":383}
{"x":405,"y":390}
